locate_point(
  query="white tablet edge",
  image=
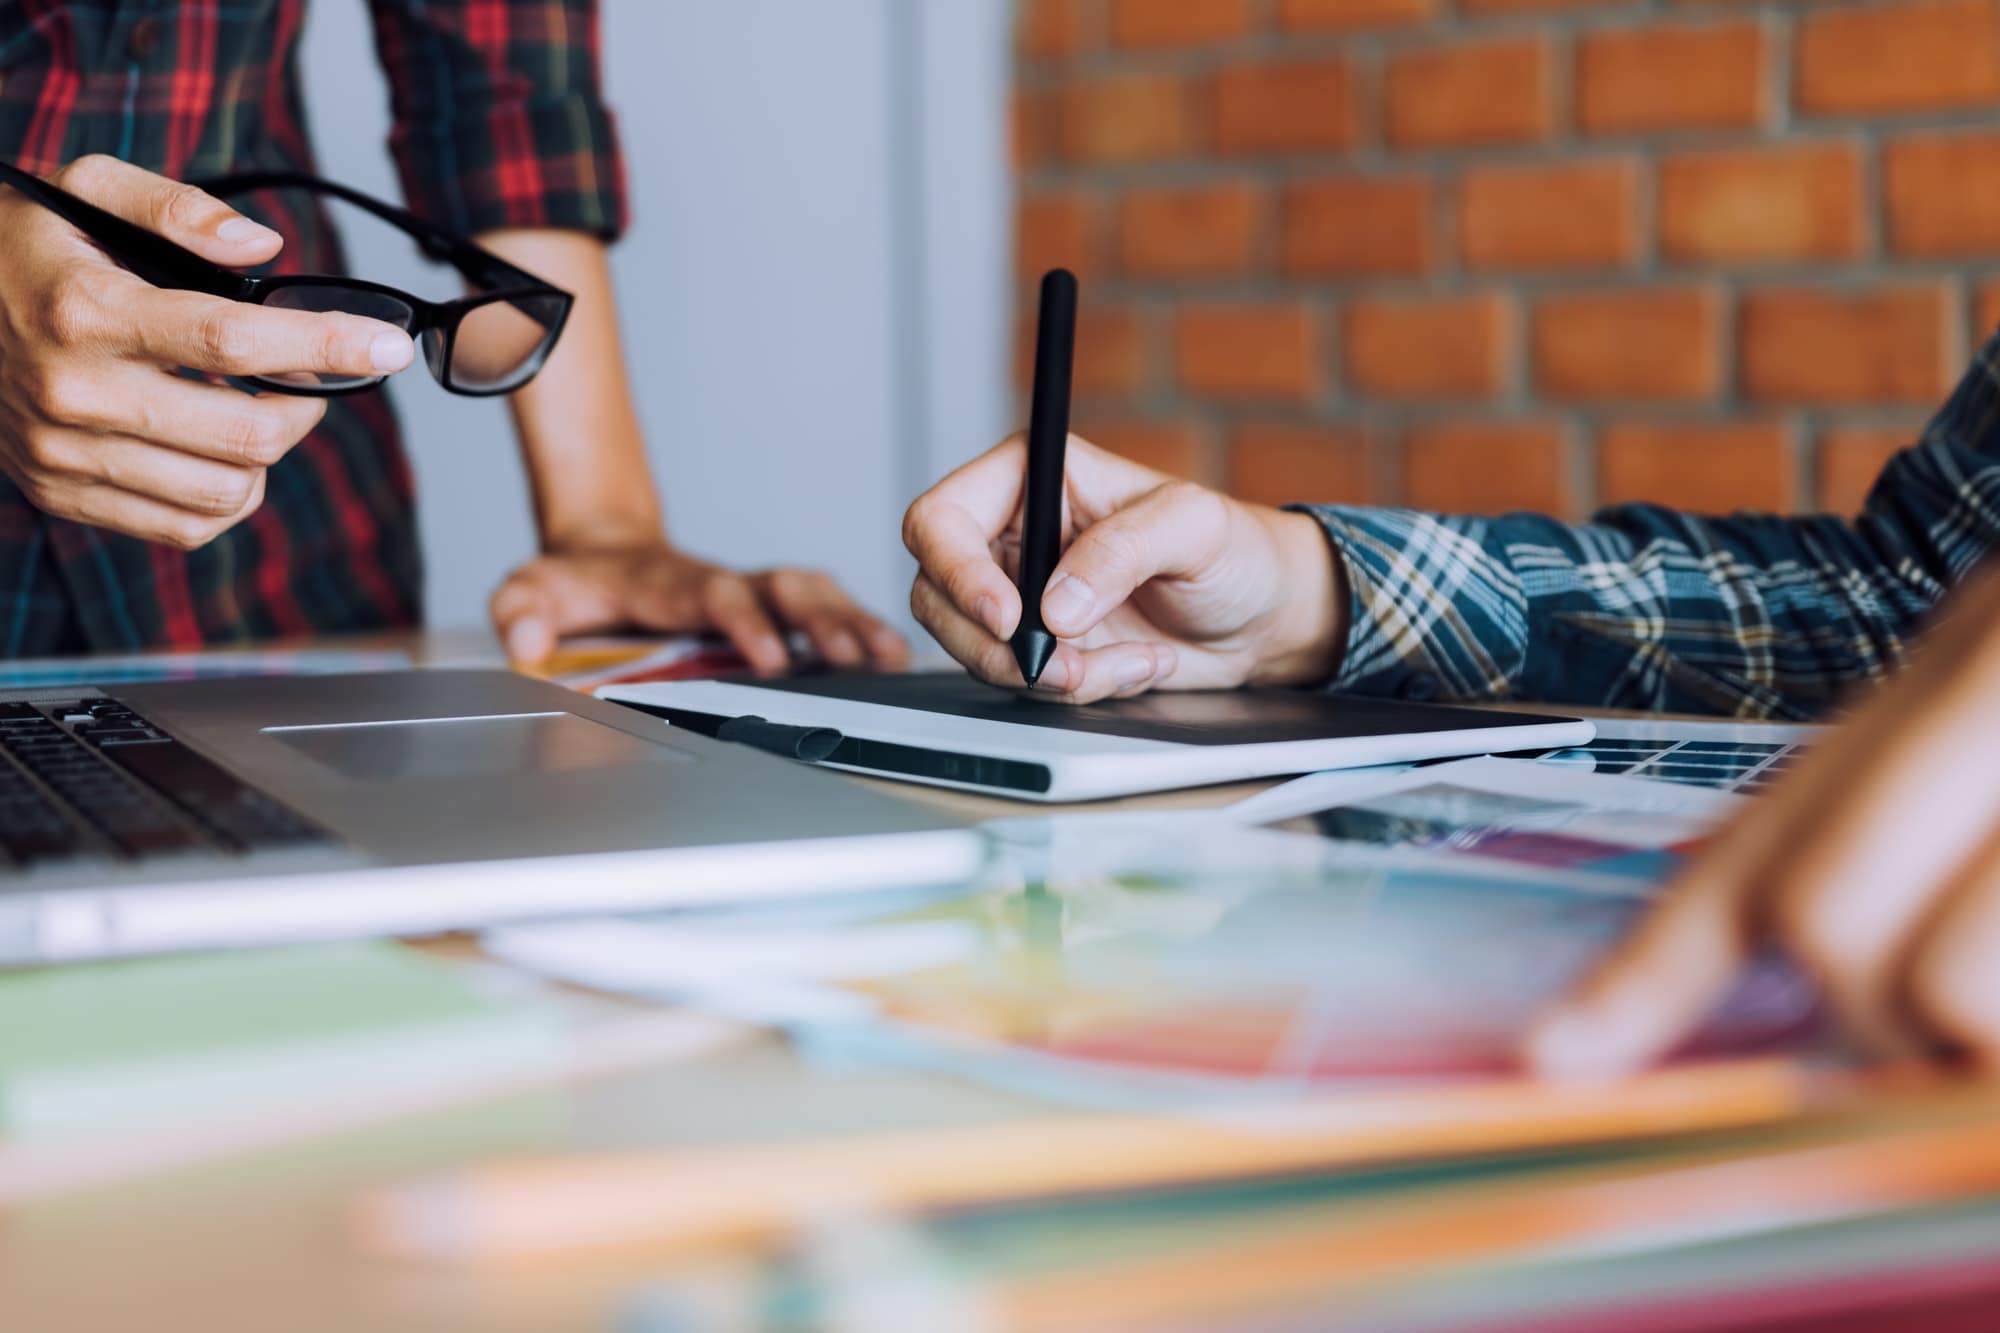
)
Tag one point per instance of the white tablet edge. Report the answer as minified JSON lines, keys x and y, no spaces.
{"x":1080,"y":766}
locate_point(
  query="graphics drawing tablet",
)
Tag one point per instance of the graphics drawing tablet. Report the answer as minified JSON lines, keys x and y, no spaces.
{"x":949,"y":730}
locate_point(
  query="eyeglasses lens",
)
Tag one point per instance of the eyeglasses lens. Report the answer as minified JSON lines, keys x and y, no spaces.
{"x":320,"y":300}
{"x":500,"y":345}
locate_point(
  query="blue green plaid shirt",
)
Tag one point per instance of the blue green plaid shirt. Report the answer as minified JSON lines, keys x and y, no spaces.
{"x":1753,"y":615}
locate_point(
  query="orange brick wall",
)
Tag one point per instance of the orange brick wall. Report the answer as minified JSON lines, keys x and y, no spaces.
{"x":1484,"y":254}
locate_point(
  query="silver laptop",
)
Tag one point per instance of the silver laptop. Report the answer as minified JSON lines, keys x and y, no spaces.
{"x":198,"y":814}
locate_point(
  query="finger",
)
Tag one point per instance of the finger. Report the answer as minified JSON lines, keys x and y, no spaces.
{"x":181,"y":213}
{"x":839,"y":629}
{"x":1175,"y":529}
{"x":1115,"y":671}
{"x":208,"y":420}
{"x":832,"y":640}
{"x":732,"y":606}
{"x":987,"y":490}
{"x":142,"y":516}
{"x":1854,"y":887}
{"x":1950,"y":984}
{"x":181,"y":480}
{"x":887,"y":650}
{"x":177,"y":328}
{"x":1652,"y":988}
{"x":970,"y":643}
{"x":544,"y":600}
{"x":524,"y":618}
{"x":950,"y":530}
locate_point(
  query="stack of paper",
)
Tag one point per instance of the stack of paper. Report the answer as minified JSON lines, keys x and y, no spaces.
{"x":130,"y":1046}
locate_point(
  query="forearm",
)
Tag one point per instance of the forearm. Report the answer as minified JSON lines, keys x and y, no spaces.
{"x":1648,"y":608}
{"x":1751,"y":616}
{"x":578,"y":428}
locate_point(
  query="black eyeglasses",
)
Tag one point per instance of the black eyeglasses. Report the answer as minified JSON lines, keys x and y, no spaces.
{"x":491,"y":342}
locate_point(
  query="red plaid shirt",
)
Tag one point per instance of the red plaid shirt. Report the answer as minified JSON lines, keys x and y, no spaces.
{"x":498,"y":122}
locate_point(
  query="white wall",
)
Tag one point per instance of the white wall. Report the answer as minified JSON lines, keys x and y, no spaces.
{"x":814,"y":289}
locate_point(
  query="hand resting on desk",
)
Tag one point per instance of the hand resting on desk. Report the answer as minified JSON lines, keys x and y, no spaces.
{"x":1163,"y":584}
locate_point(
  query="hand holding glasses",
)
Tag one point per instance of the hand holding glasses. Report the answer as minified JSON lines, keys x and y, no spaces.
{"x":113,"y":280}
{"x":491,"y":342}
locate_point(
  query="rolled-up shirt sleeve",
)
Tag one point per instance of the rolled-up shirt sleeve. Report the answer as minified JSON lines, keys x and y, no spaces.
{"x":1750,"y":615}
{"x":498,"y":114}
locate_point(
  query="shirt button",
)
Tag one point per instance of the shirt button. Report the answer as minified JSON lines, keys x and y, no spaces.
{"x":145,"y":36}
{"x":1420,"y":687}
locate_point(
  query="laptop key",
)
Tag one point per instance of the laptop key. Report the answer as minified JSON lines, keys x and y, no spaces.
{"x":136,"y":788}
{"x":214,"y":797}
{"x":32,"y":830}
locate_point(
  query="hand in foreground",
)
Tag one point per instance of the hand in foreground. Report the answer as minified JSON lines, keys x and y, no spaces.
{"x":652,"y":586}
{"x":1876,"y":865}
{"x":93,"y":424}
{"x":1163,"y":583}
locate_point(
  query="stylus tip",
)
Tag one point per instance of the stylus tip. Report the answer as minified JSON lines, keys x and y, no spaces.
{"x":1032,"y":650}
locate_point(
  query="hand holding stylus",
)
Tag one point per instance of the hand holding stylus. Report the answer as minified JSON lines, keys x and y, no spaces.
{"x":1161,"y":584}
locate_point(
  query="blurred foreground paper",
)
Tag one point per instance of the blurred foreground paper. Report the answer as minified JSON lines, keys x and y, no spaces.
{"x":34,"y":672}
{"x":134,"y":1044}
{"x":1181,"y":964}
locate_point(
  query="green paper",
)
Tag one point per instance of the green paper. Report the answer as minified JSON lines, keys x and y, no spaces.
{"x":107,"y":1044}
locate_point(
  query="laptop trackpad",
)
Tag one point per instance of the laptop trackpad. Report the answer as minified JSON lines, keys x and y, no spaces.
{"x":459,"y":747}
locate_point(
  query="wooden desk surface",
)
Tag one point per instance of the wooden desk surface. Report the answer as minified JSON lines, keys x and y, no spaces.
{"x":255,"y":1242}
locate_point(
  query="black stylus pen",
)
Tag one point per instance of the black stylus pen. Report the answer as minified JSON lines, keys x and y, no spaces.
{"x":1048,"y":433}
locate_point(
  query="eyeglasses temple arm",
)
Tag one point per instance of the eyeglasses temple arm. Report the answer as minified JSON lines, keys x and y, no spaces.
{"x":146,"y":253}
{"x":480,"y":265}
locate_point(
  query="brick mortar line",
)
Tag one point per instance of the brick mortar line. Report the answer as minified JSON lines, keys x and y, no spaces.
{"x":1445,"y":32}
{"x":1596,"y":414}
{"x":1579,"y":450}
{"x":1801,"y":458}
{"x":1364,"y":160}
{"x":1265,"y":39}
{"x":1781,"y":38}
{"x":1272,"y":288}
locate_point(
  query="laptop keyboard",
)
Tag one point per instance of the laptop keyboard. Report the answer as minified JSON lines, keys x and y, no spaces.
{"x":94,"y":779}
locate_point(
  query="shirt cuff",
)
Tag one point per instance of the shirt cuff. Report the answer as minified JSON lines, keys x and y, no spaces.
{"x":1432,"y":613}
{"x":535,"y":162}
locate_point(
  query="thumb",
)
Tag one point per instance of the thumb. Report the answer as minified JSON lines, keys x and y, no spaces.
{"x":183,"y":214}
{"x":1174,"y":529}
{"x":543,"y":601}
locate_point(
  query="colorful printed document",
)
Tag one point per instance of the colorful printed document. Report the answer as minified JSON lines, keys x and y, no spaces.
{"x":1218,"y":966}
{"x":34,"y":672}
{"x":587,"y":664}
{"x":1620,"y":834}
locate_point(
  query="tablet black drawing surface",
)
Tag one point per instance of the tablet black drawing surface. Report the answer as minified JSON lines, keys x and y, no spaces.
{"x":1187,"y":717}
